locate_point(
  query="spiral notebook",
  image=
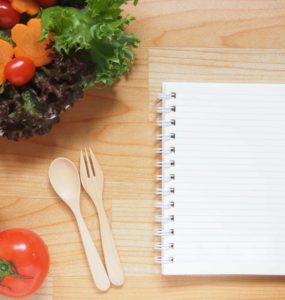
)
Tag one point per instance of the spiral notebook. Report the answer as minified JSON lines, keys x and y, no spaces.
{"x":223,"y":179}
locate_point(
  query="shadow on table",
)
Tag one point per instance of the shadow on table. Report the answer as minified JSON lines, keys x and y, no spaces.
{"x":78,"y":127}
{"x":219,"y":281}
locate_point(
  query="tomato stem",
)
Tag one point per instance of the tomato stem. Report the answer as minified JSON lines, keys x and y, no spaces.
{"x":8,"y":268}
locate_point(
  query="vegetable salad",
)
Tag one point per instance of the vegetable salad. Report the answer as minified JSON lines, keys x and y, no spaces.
{"x":51,"y":51}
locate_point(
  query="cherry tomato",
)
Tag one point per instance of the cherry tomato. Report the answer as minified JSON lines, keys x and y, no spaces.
{"x":24,"y":262}
{"x":8,"y":15}
{"x":47,"y":3}
{"x":20,"y":71}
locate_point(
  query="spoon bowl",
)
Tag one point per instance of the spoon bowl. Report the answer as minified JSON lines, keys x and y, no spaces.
{"x":65,"y":180}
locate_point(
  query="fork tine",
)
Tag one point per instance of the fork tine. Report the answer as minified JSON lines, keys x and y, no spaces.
{"x":88,"y":163}
{"x":96,"y":164}
{"x":83,"y":170}
{"x":97,"y":168}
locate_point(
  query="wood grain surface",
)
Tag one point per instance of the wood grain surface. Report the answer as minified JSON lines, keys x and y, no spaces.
{"x":119,"y":124}
{"x":211,"y":23}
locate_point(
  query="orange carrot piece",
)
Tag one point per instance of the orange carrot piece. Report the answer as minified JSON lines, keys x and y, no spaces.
{"x":6,"y":54}
{"x":30,"y":7}
{"x":27,"y":42}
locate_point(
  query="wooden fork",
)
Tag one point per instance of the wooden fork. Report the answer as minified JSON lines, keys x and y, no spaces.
{"x":92,"y":180}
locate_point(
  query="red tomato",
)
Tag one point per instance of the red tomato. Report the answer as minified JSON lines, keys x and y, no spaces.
{"x":20,"y":71}
{"x":24,"y":262}
{"x":47,"y":3}
{"x":8,"y":15}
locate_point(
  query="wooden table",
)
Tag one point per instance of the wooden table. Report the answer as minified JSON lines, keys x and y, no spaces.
{"x":238,"y":40}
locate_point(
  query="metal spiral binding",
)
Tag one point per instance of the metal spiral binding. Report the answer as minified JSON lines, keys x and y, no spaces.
{"x":160,"y":191}
{"x":165,"y":164}
{"x":159,"y":246}
{"x":161,"y":110}
{"x":165,"y":137}
{"x":161,"y":260}
{"x":160,"y":204}
{"x":165,"y":150}
{"x":161,"y":97}
{"x":166,"y":190}
{"x":162,"y":123}
{"x":161,"y":232}
{"x":164,"y":219}
{"x":167,"y":178}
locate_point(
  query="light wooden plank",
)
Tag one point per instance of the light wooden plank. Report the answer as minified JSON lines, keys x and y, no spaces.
{"x":175,"y":288}
{"x":133,"y":228}
{"x":210,"y":23}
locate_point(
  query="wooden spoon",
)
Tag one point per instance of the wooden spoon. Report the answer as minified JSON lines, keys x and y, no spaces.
{"x":65,"y":180}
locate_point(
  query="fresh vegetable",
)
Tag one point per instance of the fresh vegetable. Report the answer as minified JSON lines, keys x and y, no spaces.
{"x":5,"y":35}
{"x":8,"y":15}
{"x":99,"y":29}
{"x":47,"y":3}
{"x":27,"y":42}
{"x":36,"y":106}
{"x":74,"y":45}
{"x":24,"y":262}
{"x":20,"y":71}
{"x":6,"y":54}
{"x":30,"y":7}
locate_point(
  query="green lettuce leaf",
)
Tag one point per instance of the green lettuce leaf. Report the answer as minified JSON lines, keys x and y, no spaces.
{"x":109,"y":9}
{"x":70,"y":26}
{"x":5,"y":35}
{"x":99,"y":28}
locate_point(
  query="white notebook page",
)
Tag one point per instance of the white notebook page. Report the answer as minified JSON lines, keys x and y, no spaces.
{"x":229,"y":214}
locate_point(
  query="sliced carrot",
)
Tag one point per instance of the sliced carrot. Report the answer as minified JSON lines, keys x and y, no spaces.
{"x":6,"y":54}
{"x":30,"y":7}
{"x":26,"y":38}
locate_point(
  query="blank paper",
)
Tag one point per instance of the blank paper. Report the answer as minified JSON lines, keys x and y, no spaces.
{"x":229,"y":187}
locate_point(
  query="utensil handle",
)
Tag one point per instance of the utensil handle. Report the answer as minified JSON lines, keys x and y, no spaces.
{"x":112,"y":259}
{"x":96,"y":266}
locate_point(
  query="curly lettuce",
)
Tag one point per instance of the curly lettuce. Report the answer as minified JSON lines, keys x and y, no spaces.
{"x":98,"y":28}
